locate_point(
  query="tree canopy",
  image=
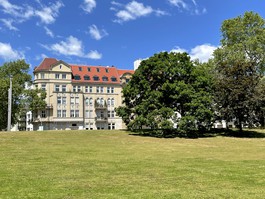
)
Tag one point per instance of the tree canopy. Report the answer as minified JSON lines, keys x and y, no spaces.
{"x":164,"y":85}
{"x":240,"y":64}
{"x":18,"y":70}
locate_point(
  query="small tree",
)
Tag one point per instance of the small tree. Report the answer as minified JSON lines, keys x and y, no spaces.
{"x":18,"y":70}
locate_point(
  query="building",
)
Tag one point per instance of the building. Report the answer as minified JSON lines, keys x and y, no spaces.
{"x":79,"y":96}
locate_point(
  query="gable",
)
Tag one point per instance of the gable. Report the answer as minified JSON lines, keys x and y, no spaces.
{"x":61,"y":67}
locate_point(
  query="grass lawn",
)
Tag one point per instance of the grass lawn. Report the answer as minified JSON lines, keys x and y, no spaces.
{"x":113,"y":164}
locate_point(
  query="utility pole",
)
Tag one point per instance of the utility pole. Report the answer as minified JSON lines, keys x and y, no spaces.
{"x":9,"y":105}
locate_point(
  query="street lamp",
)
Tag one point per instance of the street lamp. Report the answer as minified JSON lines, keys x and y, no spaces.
{"x":9,"y":105}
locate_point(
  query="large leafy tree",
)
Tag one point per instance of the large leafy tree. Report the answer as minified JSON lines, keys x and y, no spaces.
{"x":240,"y":63}
{"x":164,"y":85}
{"x":18,"y":70}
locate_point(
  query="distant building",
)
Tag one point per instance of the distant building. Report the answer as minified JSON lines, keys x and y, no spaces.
{"x":79,"y":96}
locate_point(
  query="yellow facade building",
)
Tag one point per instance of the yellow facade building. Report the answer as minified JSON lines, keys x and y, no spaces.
{"x":79,"y":96}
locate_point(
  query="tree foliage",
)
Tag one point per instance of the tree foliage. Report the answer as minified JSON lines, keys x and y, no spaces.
{"x":163,"y":85}
{"x":18,"y":70}
{"x":240,"y":63}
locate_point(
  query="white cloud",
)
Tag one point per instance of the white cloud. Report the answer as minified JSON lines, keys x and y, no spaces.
{"x":178,"y":3}
{"x":48,"y":32}
{"x":190,"y":6}
{"x":133,"y":10}
{"x":177,"y":49}
{"x":8,"y":54}
{"x":9,"y":24}
{"x":96,"y":33}
{"x":201,"y":52}
{"x":72,"y":47}
{"x":88,"y":5}
{"x":48,"y":13}
{"x":20,"y":14}
{"x":93,"y":54}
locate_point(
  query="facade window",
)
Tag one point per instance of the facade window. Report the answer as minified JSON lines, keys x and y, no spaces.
{"x":80,"y":68}
{"x":76,"y":88}
{"x":86,"y":77}
{"x":57,"y":88}
{"x":42,"y":76}
{"x":77,"y":100}
{"x":105,"y":79}
{"x":98,"y":70}
{"x":77,"y":77}
{"x":88,"y":89}
{"x":72,"y":113}
{"x":43,"y":114}
{"x":63,"y":88}
{"x":111,"y":126}
{"x":64,"y":113}
{"x":107,"y":70}
{"x":59,"y":100}
{"x":113,"y":79}
{"x":88,"y":69}
{"x":86,"y":114}
{"x":89,"y":113}
{"x":110,"y":89}
{"x":100,"y":89}
{"x":43,"y":87}
{"x":111,"y":114}
{"x":87,"y":101}
{"x":109,"y":101}
{"x":63,"y":76}
{"x":96,"y":78}
{"x":76,"y":113}
{"x":64,"y":100}
{"x":72,"y":100}
{"x":57,"y":76}
{"x":112,"y":102}
{"x":59,"y":113}
{"x":91,"y":101}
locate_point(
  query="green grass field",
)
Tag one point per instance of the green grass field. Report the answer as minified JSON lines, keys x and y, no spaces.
{"x":114,"y":164}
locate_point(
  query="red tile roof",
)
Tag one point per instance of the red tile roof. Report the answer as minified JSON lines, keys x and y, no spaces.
{"x":99,"y":71}
{"x":121,"y":72}
{"x":105,"y":74}
{"x":46,"y":64}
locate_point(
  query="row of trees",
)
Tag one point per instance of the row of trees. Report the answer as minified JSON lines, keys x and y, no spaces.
{"x":230,"y":86}
{"x":23,"y":99}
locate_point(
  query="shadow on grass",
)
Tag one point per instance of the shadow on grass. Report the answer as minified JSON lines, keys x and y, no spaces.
{"x":194,"y":135}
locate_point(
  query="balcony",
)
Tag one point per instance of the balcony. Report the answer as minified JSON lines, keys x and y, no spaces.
{"x":101,"y":119}
{"x":100,"y":105}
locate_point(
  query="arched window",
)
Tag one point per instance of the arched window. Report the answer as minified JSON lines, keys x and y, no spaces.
{"x":91,"y":101}
{"x":113,"y":79}
{"x":105,"y":79}
{"x":109,"y":101}
{"x":86,"y":77}
{"x":96,"y":78}
{"x":77,"y":77}
{"x":112,"y":102}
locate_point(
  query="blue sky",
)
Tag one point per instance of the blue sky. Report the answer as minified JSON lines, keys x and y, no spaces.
{"x":102,"y":32}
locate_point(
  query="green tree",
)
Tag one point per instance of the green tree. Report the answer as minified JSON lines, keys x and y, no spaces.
{"x":240,"y":63}
{"x":21,"y":97}
{"x":163,"y":85}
